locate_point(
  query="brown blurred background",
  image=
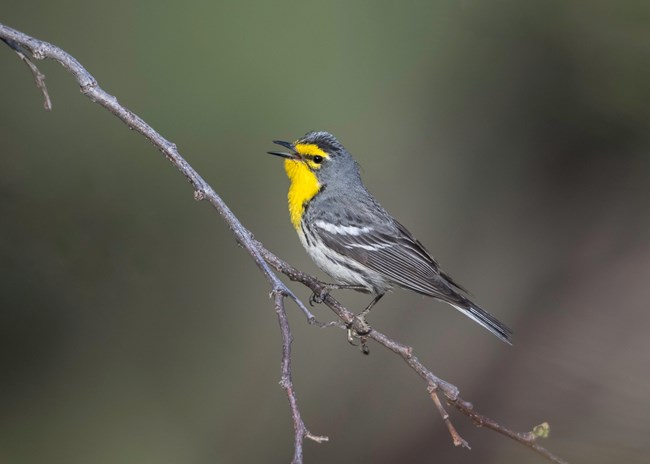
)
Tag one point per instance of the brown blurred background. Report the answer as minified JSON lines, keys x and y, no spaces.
{"x":510,"y":137}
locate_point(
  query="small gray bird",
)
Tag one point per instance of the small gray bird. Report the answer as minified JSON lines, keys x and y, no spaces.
{"x":351,"y":237}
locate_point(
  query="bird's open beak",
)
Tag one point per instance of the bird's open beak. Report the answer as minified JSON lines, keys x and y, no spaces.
{"x":293,"y":155}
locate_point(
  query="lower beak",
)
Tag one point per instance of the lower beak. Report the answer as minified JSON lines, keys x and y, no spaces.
{"x":293,"y":155}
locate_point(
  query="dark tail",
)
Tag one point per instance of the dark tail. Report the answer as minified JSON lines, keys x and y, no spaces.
{"x":486,"y":319}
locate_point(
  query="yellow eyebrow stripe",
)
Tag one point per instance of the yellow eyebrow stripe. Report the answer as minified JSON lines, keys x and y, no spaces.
{"x":309,"y":149}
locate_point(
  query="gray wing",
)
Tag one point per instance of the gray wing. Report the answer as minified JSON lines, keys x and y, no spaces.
{"x":390,"y":249}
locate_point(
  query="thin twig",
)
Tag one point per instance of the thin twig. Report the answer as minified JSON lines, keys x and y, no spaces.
{"x":39,"y":77}
{"x":265,"y":260}
{"x":300,"y":430}
{"x":455,"y":436}
{"x":525,"y":438}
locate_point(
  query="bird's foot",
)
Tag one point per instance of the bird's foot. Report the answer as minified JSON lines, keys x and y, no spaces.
{"x":318,"y":298}
{"x":359,"y":328}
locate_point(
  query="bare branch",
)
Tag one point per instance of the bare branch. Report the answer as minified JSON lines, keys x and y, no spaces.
{"x":265,"y":260}
{"x":525,"y":438}
{"x":434,"y":384}
{"x":39,"y":77}
{"x":300,"y":430}
{"x":202,"y":191}
{"x":455,"y":436}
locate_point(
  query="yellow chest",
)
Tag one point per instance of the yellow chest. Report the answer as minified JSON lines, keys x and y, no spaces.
{"x":304,"y":187}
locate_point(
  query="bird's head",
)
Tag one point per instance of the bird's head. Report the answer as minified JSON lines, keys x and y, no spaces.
{"x":316,"y":156}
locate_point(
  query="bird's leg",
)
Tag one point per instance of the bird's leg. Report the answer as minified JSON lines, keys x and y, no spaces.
{"x":327,"y":288}
{"x":365,"y":312}
{"x":364,"y":327}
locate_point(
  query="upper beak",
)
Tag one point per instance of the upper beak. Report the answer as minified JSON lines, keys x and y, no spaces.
{"x":293,"y":155}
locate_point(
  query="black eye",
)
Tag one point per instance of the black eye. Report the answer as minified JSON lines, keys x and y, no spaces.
{"x":318,"y":159}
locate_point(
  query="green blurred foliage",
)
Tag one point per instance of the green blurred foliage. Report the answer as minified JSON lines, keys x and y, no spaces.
{"x":510,"y":137}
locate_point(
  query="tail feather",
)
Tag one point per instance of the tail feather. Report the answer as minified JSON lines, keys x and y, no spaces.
{"x":486,"y":320}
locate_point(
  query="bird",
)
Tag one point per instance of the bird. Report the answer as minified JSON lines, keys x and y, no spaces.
{"x":354,"y":240}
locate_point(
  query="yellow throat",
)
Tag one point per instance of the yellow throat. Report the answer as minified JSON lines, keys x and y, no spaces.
{"x":304,"y":187}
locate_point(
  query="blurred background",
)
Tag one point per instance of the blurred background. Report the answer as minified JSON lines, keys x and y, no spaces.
{"x":511,"y":138}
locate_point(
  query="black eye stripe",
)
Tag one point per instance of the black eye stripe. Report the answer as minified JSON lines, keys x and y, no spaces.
{"x":316,"y":159}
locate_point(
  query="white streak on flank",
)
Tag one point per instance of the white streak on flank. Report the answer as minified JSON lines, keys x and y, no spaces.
{"x":352,"y":272}
{"x":342,"y":230}
{"x":377,"y":246}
